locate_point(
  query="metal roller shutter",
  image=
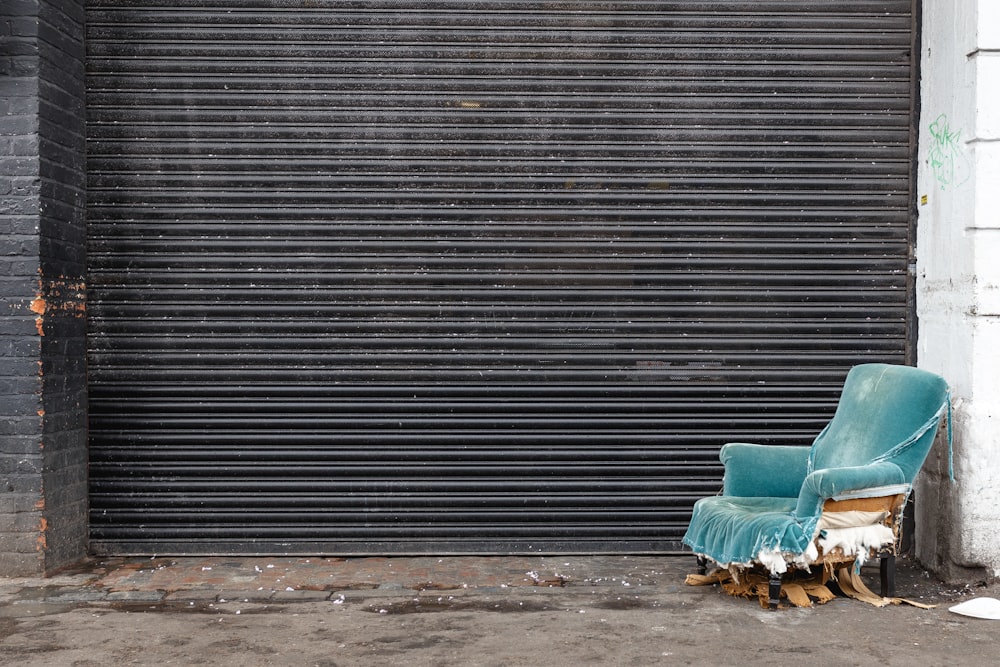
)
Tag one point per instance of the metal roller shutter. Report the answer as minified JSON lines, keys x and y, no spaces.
{"x":453,"y":276}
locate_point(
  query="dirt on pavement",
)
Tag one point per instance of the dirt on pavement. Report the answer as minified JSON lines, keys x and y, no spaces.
{"x":573,"y":610}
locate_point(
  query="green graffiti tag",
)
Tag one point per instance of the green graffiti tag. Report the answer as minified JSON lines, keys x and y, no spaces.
{"x":947,"y":158}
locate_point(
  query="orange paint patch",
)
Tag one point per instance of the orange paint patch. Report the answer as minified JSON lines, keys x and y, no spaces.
{"x":38,"y":306}
{"x":41,"y":542}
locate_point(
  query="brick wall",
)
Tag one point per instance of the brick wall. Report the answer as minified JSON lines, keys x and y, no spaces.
{"x":43,"y":487}
{"x":62,"y":259}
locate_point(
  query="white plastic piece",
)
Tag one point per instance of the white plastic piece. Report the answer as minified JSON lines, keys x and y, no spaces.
{"x":988,"y":608}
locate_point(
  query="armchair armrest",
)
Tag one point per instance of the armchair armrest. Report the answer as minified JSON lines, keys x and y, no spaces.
{"x":821,"y":485}
{"x":763,"y":470}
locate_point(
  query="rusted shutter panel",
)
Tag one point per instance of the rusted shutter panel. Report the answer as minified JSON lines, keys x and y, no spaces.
{"x":390,"y":277}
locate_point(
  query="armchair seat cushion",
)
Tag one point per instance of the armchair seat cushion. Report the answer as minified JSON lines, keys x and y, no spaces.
{"x":736,"y":529}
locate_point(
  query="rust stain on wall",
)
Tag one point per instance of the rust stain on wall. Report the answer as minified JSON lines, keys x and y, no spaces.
{"x":43,"y":526}
{"x":39,"y":306}
{"x":59,"y":295}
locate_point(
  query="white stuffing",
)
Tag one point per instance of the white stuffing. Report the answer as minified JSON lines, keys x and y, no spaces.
{"x":856,"y":541}
{"x":773,"y":560}
{"x":777,"y":562}
{"x":841,"y":531}
{"x":808,"y":557}
{"x":855,"y":532}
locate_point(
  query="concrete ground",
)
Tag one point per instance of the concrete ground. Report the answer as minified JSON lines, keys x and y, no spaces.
{"x":462,"y":611}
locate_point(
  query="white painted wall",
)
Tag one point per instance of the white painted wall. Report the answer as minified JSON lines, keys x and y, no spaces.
{"x":958,"y":281}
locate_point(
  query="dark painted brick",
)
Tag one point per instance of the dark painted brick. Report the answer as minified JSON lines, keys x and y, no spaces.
{"x":20,"y":347}
{"x":23,"y":66}
{"x":18,"y":445}
{"x":13,"y":386}
{"x":15,"y":8}
{"x":24,"y":186}
{"x":18,"y":542}
{"x":15,"y":166}
{"x":18,"y":266}
{"x":32,"y":484}
{"x":27,"y":523}
{"x":11,"y":466}
{"x":23,"y":26}
{"x":18,"y":48}
{"x":24,"y":145}
{"x":15,"y":326}
{"x":17,"y":101}
{"x":42,"y":165}
{"x":20,"y":565}
{"x":16,"y":425}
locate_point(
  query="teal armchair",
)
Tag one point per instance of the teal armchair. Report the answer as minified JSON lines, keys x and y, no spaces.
{"x":781,"y":504}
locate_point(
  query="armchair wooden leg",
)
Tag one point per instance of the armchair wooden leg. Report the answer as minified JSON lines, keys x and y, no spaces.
{"x":773,"y":591}
{"x":887,"y":575}
{"x":702,"y":565}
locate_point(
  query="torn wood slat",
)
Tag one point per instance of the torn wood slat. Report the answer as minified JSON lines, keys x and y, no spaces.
{"x":802,"y":589}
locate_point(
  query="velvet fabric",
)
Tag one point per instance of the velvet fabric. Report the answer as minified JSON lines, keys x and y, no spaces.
{"x":773,"y":496}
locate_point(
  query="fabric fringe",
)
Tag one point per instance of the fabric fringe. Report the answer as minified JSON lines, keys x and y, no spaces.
{"x":801,"y":588}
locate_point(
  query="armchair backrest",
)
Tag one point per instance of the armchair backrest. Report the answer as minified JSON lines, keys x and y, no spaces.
{"x":885,"y":413}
